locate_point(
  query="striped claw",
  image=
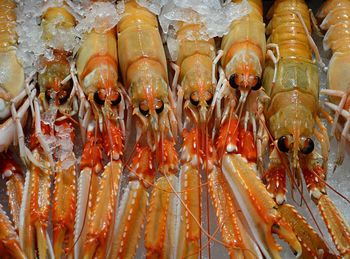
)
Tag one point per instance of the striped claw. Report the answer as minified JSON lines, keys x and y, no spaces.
{"x":132,"y":210}
{"x":257,"y":205}
{"x":9,"y":243}
{"x":14,"y":185}
{"x":337,"y":226}
{"x":339,"y":229}
{"x":238,"y":242}
{"x":63,"y":210}
{"x":34,"y":213}
{"x":161,"y":218}
{"x":313,"y":245}
{"x":130,"y":218}
{"x":100,"y":225}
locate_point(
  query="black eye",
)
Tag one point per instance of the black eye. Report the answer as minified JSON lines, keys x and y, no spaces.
{"x":258,"y":84}
{"x":62,"y":97}
{"x":194,"y":99}
{"x":283,"y":144}
{"x":159,"y":107}
{"x":118,"y":99}
{"x":232,"y":81}
{"x":209,"y":98}
{"x":48,"y":95}
{"x":98,"y":99}
{"x":308,"y":146}
{"x":144,"y":109}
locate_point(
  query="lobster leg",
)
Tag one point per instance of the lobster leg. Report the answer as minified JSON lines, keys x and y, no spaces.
{"x":130,"y":217}
{"x":344,"y":97}
{"x":189,"y":232}
{"x":275,"y":177}
{"x":100,"y":219}
{"x":314,"y":176}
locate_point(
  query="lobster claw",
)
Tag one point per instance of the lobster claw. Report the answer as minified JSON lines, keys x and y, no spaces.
{"x":258,"y":207}
{"x":9,"y":243}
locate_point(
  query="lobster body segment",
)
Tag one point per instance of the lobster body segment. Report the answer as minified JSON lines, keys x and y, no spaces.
{"x":299,"y":82}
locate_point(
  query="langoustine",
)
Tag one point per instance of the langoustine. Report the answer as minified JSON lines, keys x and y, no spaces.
{"x":292,"y":82}
{"x":51,"y":143}
{"x":334,"y":17}
{"x":101,"y":114}
{"x":144,"y":71}
{"x":12,"y":97}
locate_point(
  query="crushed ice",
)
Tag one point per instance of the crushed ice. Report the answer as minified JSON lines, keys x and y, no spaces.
{"x":214,"y":17}
{"x":100,"y":16}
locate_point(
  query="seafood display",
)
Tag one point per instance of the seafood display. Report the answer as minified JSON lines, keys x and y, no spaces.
{"x":171,"y":129}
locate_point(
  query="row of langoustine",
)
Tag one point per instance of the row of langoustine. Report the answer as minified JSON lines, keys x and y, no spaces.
{"x":115,"y":232}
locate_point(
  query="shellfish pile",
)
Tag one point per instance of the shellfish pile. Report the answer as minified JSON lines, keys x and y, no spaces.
{"x":174,"y":129}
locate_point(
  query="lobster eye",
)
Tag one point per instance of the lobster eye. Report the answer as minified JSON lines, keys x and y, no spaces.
{"x":308,"y":146}
{"x":62,"y":97}
{"x":116,"y":98}
{"x":232,"y":81}
{"x":209,"y":98}
{"x":258,"y":84}
{"x":99,"y":97}
{"x":194,"y":98}
{"x":159,"y":106}
{"x":48,"y":95}
{"x":283,"y":144}
{"x":144,"y":109}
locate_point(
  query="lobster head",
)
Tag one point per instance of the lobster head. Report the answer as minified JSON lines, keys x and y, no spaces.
{"x":149,"y":96}
{"x":244,"y":71}
{"x":54,"y":89}
{"x":293,"y":131}
{"x":198,"y":95}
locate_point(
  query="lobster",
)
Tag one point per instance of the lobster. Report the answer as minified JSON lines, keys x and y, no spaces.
{"x":335,"y":21}
{"x":144,"y":71}
{"x":13,"y":92}
{"x":101,"y":114}
{"x":291,"y":81}
{"x":52,"y":145}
